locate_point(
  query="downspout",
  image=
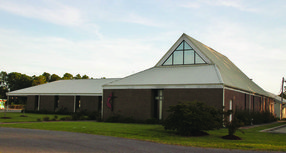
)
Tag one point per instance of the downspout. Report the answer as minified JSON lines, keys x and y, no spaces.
{"x":74,"y":103}
{"x":102,"y":108}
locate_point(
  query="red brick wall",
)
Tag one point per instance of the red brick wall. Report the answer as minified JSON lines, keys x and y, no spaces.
{"x":31,"y":100}
{"x":67,"y":102}
{"x":90,"y":103}
{"x":139,"y":103}
{"x":47,"y":103}
{"x":243,"y":101}
{"x":212,"y":97}
{"x":135,"y":103}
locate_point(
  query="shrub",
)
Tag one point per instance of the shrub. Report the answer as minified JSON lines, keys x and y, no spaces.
{"x":249,"y":117}
{"x":232,"y":125}
{"x":152,"y":121}
{"x":62,"y":111}
{"x":113,"y":119}
{"x":191,"y":118}
{"x":55,"y":118}
{"x":93,"y":115}
{"x":78,"y":116}
{"x":46,"y":118}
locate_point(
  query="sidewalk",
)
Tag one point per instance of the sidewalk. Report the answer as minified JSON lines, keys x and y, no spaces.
{"x":253,"y":126}
{"x":10,"y":110}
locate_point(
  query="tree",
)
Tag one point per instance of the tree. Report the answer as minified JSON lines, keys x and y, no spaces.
{"x":232,"y":126}
{"x":192,"y":118}
{"x":85,"y":77}
{"x":284,"y":95}
{"x":39,"y":80}
{"x":78,"y":76}
{"x":3,"y":85}
{"x":3,"y":78}
{"x":54,"y":77}
{"x":67,"y":76}
{"x":18,"y":81}
{"x":47,"y":76}
{"x":3,"y":91}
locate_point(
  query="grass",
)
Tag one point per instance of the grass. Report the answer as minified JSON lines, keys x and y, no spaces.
{"x":16,"y":117}
{"x":252,"y":139}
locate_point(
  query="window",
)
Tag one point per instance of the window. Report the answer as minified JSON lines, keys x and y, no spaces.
{"x":158,"y":103}
{"x":78,"y":103}
{"x":184,"y":55}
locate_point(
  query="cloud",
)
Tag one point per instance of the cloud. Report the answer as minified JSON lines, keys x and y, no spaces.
{"x":135,"y":18}
{"x":257,"y":54}
{"x":96,"y":58}
{"x":238,"y":4}
{"x":46,"y":11}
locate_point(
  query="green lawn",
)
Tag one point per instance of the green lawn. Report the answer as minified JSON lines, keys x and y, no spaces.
{"x":252,"y":139}
{"x":16,"y":117}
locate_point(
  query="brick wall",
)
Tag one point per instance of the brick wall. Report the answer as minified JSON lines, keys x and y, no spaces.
{"x":135,"y":103}
{"x":212,"y":97}
{"x":139,"y":103}
{"x":90,"y":103}
{"x":66,"y":102}
{"x":47,"y":103}
{"x":31,"y":100}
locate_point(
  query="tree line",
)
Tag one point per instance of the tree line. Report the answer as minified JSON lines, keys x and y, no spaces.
{"x":15,"y":81}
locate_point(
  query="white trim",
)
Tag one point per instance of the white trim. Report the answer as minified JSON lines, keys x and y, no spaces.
{"x":39,"y":99}
{"x":230,"y":108}
{"x":244,"y":92}
{"x":223,"y":98}
{"x":54,"y":94}
{"x":74,"y":102}
{"x":102,"y":108}
{"x":163,"y":86}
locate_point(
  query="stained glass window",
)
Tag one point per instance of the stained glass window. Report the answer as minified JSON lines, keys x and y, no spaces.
{"x":184,"y":54}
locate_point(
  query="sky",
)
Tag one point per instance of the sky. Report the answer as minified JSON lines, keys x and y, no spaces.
{"x":116,"y":38}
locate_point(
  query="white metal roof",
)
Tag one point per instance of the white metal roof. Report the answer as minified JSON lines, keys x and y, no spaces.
{"x":218,"y":70}
{"x":65,"y":87}
{"x":171,"y":77}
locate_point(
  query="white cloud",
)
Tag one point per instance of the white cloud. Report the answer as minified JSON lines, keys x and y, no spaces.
{"x":50,"y":11}
{"x":135,"y":18}
{"x":96,"y":58}
{"x":255,"y":55}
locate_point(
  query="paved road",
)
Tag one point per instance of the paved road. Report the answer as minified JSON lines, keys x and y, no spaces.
{"x":41,"y":141}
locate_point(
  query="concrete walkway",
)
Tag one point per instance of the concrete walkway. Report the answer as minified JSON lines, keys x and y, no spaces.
{"x":278,"y":129}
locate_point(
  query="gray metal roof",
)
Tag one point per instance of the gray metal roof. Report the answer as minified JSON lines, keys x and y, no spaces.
{"x":65,"y":87}
{"x":219,"y":70}
{"x":171,"y":77}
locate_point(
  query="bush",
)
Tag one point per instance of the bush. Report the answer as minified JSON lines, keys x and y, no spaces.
{"x":113,"y":119}
{"x":93,"y":115}
{"x":248,"y":117}
{"x":191,"y":118}
{"x":232,"y":125}
{"x":62,"y":111}
{"x":46,"y":118}
{"x":152,"y":121}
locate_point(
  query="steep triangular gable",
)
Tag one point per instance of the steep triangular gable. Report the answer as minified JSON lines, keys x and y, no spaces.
{"x":183,"y":52}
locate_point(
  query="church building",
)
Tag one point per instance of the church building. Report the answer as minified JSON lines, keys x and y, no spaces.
{"x":189,"y":71}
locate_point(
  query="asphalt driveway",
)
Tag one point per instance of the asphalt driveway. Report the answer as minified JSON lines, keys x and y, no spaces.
{"x":28,"y":140}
